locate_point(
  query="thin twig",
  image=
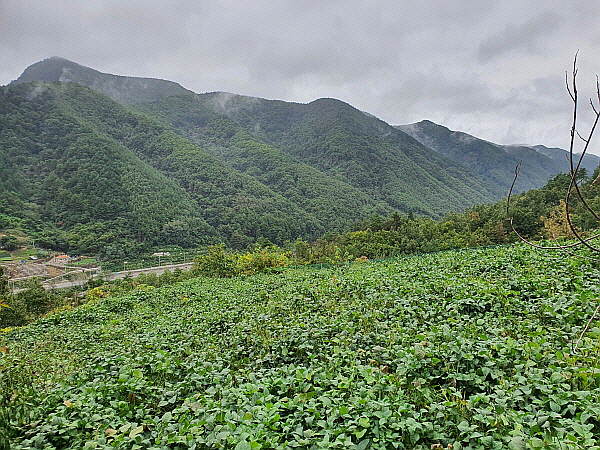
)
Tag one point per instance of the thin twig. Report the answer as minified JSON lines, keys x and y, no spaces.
{"x":585,"y":329}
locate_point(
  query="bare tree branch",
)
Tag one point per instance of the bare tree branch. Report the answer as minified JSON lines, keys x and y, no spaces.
{"x":573,"y":190}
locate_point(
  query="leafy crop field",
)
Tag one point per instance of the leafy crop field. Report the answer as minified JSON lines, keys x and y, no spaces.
{"x":481,"y":349}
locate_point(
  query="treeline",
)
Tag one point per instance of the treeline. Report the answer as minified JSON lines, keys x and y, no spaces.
{"x":537,"y":214}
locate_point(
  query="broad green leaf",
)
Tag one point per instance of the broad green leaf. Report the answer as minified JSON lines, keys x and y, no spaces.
{"x":136,"y":431}
{"x":364,"y":422}
{"x":243,"y":445}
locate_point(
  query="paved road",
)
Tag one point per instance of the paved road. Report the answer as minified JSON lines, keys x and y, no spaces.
{"x":157,"y":270}
{"x":109,"y":276}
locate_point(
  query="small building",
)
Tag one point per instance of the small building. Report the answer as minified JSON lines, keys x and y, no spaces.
{"x":61,"y":259}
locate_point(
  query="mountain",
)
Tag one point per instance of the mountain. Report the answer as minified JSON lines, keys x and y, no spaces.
{"x":331,"y":146}
{"x":336,"y":203}
{"x":493,"y":162}
{"x":93,"y":162}
{"x":376,"y":164}
{"x":590,"y":162}
{"x":90,"y":175}
{"x":126,"y":90}
{"x":366,"y":152}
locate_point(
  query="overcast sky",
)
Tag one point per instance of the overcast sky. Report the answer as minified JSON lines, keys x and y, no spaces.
{"x":494,"y":69}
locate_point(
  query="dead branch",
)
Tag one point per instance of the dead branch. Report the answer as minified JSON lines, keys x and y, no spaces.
{"x":573,"y":190}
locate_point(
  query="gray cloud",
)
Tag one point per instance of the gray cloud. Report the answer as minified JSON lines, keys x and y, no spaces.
{"x":526,"y":36}
{"x":493,"y":69}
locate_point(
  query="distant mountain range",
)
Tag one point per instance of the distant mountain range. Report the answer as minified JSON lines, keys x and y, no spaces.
{"x":494,"y":162}
{"x":100,"y":162}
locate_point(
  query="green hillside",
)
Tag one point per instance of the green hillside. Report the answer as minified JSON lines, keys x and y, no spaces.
{"x":360,"y":150}
{"x":464,"y":350}
{"x":376,"y":167}
{"x":74,"y":160}
{"x":156,"y":164}
{"x":76,"y":187}
{"x":335,"y":203}
{"x":494,"y":162}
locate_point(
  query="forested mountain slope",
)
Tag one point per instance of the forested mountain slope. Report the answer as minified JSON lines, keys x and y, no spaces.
{"x":327,"y":156}
{"x":94,"y":174}
{"x":334,"y":202}
{"x":589,"y":162}
{"x":157,"y":163}
{"x":126,"y":90}
{"x":360,"y":150}
{"x":495,"y":162}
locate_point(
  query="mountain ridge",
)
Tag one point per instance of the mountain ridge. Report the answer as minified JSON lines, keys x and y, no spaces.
{"x":241,"y":167}
{"x":118,"y":87}
{"x":495,"y":161}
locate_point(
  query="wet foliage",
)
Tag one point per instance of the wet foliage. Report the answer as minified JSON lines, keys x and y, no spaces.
{"x":479,"y":349}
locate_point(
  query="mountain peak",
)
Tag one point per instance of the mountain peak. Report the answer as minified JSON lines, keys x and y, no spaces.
{"x":125,"y":90}
{"x":50,"y":69}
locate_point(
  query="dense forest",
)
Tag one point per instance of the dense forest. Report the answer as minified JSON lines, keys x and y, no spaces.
{"x":361,"y":150}
{"x":115,"y":167}
{"x":497,"y":162}
{"x":84,"y":174}
{"x":538,"y":214}
{"x":80,"y":173}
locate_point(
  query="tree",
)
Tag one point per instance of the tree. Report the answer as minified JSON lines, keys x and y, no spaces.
{"x":9,"y":242}
{"x":4,"y":288}
{"x":557,"y":224}
{"x":562,"y":220}
{"x":216,"y":263}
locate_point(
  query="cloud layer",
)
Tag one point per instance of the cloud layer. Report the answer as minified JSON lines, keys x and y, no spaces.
{"x":492,"y":69}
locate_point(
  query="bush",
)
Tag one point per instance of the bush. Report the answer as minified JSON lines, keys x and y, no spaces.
{"x":262,"y":259}
{"x":216,"y":263}
{"x":219,"y":263}
{"x":9,"y":242}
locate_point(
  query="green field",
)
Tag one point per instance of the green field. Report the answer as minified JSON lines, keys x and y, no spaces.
{"x":481,"y":349}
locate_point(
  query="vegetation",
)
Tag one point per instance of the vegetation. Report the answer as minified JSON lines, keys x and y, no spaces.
{"x":217,"y":262}
{"x":496,"y":162}
{"x":29,"y":304}
{"x":479,"y":349}
{"x":536,"y":214}
{"x":114,"y":183}
{"x":360,"y":150}
{"x":82,"y":174}
{"x":73,"y":188}
{"x":435,"y":347}
{"x":333,"y":202}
